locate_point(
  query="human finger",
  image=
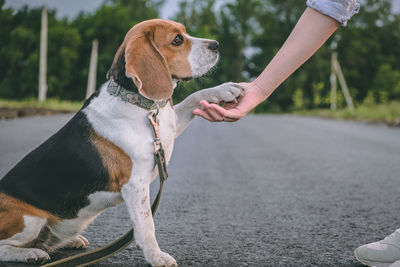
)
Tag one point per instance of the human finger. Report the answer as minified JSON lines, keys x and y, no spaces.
{"x":212,"y":113}
{"x":203,"y":114}
{"x":231,"y":114}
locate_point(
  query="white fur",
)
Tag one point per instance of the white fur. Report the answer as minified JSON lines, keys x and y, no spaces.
{"x":68,"y":230}
{"x":12,"y":249}
{"x":226,"y":92}
{"x":77,"y":242}
{"x":33,"y":225}
{"x":201,"y":58}
{"x":127,"y":126}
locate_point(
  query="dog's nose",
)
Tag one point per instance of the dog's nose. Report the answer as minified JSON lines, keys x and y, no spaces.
{"x":213,"y":45}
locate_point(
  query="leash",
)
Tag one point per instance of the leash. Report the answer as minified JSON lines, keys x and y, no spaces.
{"x":99,"y":254}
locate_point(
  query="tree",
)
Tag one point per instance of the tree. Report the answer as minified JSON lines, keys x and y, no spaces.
{"x":69,"y":45}
{"x":108,"y":25}
{"x":19,"y":58}
{"x":250,"y":33}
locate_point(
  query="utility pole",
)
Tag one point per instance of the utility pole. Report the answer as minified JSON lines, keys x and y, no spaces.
{"x":43,"y":57}
{"x":337,"y":71}
{"x":91,"y":85}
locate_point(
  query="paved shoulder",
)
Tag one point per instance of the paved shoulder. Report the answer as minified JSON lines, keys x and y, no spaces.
{"x":18,"y":137}
{"x":265,"y":191}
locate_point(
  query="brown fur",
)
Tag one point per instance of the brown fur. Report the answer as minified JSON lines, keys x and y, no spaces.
{"x":12,"y":211}
{"x":115,"y":160}
{"x":151,"y":60}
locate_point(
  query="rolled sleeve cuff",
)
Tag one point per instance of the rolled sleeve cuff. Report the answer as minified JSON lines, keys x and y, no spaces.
{"x":340,"y":10}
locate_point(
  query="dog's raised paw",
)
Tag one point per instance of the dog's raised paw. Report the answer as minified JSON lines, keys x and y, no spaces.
{"x":37,"y":256}
{"x":162,"y":259}
{"x":227,"y":92}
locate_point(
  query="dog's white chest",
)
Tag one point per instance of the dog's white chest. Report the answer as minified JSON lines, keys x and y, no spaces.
{"x":127,"y":126}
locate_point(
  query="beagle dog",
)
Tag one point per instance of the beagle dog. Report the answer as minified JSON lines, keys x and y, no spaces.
{"x":104,"y":155}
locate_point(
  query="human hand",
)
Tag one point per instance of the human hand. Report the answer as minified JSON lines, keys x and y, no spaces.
{"x":231,"y":112}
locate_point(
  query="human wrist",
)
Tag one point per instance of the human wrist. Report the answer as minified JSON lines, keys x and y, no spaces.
{"x":252,"y":96}
{"x":261,"y":92}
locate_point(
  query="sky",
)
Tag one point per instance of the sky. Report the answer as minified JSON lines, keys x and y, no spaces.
{"x":71,"y":8}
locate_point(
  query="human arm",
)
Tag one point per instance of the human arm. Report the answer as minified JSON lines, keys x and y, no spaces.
{"x":310,"y":32}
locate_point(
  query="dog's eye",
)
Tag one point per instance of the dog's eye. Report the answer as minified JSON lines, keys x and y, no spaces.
{"x":178,"y":40}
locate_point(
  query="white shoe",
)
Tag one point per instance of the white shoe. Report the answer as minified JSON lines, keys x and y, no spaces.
{"x":383,"y":253}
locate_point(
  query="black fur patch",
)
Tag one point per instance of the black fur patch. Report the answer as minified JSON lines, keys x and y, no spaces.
{"x":93,"y":96}
{"x":185,"y":79}
{"x":60,"y":174}
{"x":117,"y":72}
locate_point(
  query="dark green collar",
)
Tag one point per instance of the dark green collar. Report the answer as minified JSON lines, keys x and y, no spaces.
{"x":134,"y":97}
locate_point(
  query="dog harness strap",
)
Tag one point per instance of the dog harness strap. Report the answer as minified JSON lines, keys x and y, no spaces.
{"x":96,"y":255}
{"x":159,"y":154}
{"x":134,"y":97}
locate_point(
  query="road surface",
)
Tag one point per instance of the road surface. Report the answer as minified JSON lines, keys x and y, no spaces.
{"x":265,"y":191}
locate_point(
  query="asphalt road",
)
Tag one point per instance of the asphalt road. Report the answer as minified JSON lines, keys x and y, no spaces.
{"x":265,"y":191}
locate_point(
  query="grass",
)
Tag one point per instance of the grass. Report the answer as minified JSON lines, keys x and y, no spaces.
{"x":384,"y":113}
{"x":54,"y":104}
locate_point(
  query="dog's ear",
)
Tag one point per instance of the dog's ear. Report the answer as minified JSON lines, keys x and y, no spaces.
{"x":147,"y":67}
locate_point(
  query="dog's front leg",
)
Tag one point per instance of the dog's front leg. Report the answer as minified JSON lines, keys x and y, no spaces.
{"x":226,"y":92}
{"x":136,"y":194}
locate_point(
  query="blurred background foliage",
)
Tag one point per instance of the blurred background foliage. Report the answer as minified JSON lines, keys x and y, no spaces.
{"x":250,"y":32}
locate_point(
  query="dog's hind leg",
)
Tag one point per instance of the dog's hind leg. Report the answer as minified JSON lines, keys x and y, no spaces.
{"x":13,"y":248}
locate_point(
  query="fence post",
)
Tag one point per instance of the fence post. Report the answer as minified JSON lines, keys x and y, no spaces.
{"x":91,"y":85}
{"x":43,"y":57}
{"x":333,"y":81}
{"x":336,"y":70}
{"x":343,"y":85}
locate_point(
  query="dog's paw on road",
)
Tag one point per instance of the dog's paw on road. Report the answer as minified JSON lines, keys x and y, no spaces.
{"x":161,"y":259}
{"x":37,"y":256}
{"x":78,"y":242}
